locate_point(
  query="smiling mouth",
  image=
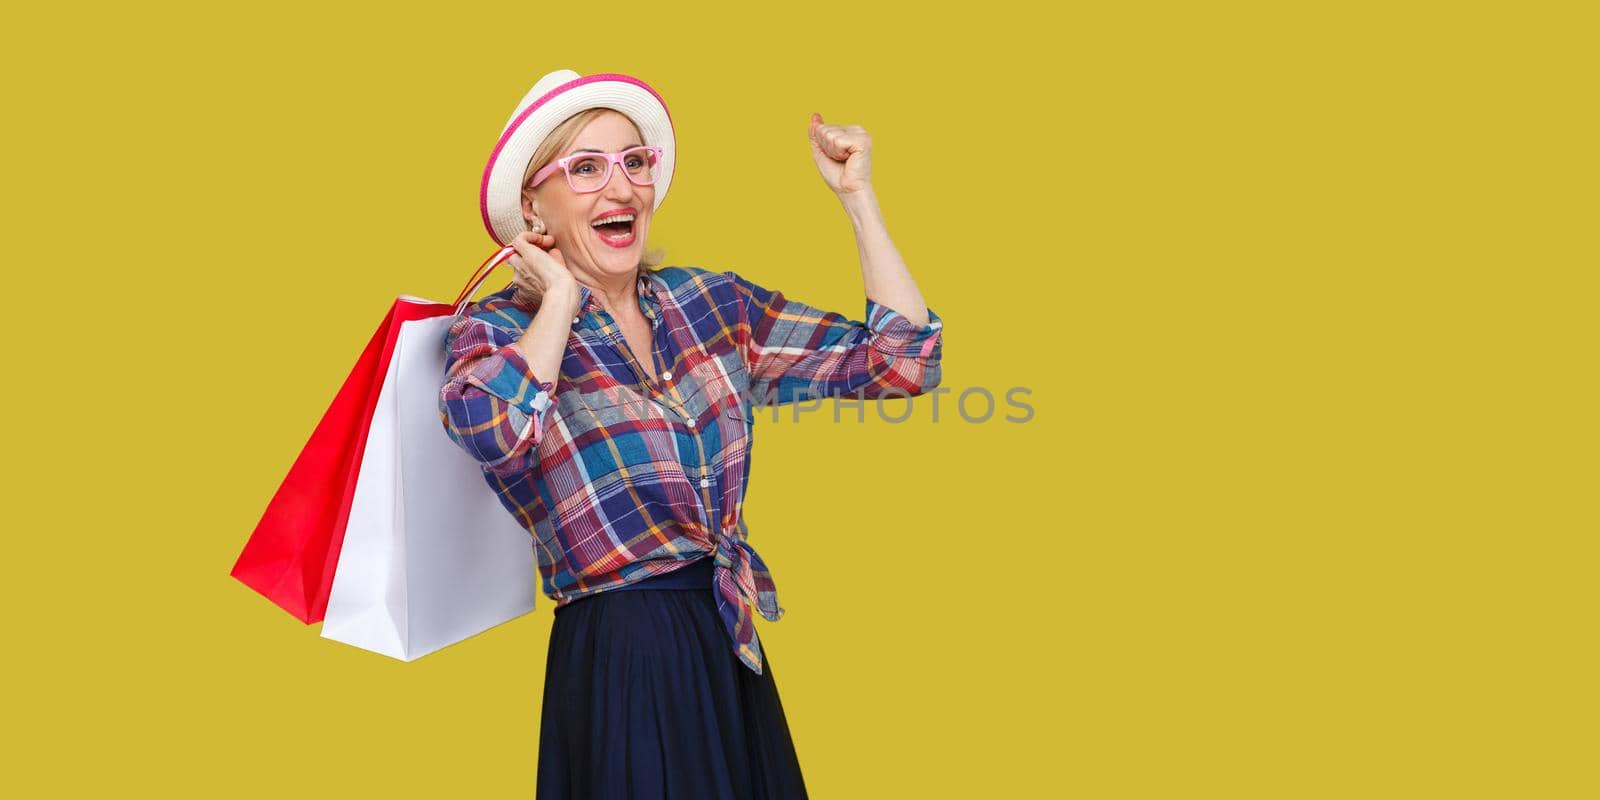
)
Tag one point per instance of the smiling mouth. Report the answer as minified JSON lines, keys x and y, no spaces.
{"x":616,"y":234}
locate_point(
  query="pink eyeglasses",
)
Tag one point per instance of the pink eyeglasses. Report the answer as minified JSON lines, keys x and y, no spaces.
{"x":589,"y":172}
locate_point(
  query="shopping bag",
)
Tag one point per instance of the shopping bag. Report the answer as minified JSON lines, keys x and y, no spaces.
{"x":429,"y":555}
{"x":290,"y":556}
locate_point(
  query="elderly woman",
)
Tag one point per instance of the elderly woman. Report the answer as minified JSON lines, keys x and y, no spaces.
{"x":610,"y":402}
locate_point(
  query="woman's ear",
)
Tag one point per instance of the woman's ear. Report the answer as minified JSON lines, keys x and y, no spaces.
{"x":530,"y":207}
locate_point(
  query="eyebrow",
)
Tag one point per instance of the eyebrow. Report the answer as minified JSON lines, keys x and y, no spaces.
{"x":592,"y":150}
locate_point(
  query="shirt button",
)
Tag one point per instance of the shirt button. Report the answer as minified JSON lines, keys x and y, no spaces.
{"x":666,"y":376}
{"x":690,"y":422}
{"x":704,"y":482}
{"x":576,"y":320}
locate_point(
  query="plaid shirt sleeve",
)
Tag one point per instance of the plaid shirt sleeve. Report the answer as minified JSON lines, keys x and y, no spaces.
{"x":491,"y":404}
{"x":795,"y":350}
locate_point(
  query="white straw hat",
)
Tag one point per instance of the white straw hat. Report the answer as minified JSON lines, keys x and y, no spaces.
{"x":557,"y":96}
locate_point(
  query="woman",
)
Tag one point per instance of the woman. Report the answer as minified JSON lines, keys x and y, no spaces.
{"x":610,"y":404}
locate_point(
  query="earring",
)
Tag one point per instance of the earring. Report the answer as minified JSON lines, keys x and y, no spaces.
{"x":535,"y":226}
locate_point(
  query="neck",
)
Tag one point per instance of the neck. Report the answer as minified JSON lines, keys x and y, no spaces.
{"x":615,"y":293}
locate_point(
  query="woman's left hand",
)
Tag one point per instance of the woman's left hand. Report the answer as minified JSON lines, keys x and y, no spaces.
{"x":843,"y":154}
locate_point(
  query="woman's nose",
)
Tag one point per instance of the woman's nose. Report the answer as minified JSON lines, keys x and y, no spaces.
{"x":617,"y":185}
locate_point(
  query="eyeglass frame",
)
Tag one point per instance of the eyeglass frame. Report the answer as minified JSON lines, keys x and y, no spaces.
{"x":612,"y":159}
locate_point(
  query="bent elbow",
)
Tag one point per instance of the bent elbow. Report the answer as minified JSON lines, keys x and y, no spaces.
{"x":497,"y":435}
{"x":932,"y":374}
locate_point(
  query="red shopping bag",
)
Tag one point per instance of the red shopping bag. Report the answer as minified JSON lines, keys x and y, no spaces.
{"x":291,"y":555}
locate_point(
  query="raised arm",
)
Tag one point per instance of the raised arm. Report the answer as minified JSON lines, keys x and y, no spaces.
{"x":491,"y":404}
{"x":795,"y":350}
{"x":843,"y":154}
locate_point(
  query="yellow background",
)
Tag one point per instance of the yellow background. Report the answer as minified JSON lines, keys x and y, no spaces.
{"x":1304,"y":296}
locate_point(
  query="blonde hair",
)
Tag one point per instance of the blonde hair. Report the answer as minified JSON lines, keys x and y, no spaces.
{"x":556,"y":143}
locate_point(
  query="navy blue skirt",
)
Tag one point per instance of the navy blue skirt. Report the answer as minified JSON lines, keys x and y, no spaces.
{"x":645,"y":698}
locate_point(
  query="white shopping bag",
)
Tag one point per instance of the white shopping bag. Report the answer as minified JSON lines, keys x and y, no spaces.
{"x":430,"y":555}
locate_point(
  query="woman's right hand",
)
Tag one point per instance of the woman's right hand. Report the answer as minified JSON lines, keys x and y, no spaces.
{"x":540,"y":270}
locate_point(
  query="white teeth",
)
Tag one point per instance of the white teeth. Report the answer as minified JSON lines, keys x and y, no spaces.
{"x":613,"y":218}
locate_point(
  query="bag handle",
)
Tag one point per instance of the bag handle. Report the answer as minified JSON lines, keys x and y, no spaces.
{"x":480,"y":275}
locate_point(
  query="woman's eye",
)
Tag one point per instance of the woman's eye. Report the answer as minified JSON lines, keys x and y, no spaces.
{"x":580,"y":169}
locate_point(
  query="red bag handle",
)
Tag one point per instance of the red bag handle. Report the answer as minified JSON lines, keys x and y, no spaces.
{"x":480,"y":275}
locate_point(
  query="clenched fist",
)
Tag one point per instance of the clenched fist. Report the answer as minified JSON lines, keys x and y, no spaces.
{"x":843,"y":154}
